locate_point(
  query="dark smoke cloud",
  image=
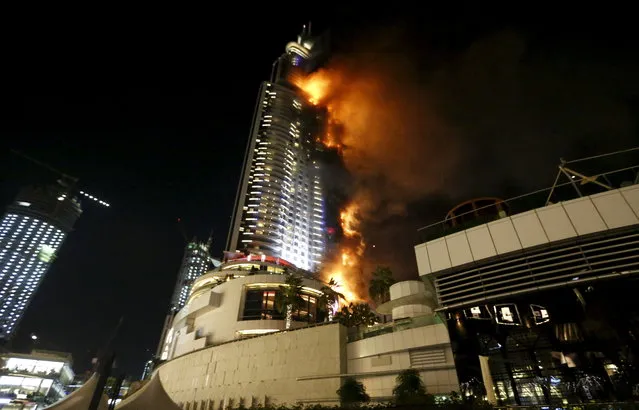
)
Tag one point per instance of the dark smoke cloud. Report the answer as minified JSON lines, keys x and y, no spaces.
{"x":518,"y":112}
{"x":491,"y":119}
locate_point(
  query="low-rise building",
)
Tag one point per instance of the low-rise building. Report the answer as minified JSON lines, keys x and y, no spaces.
{"x":229,"y":345}
{"x":39,"y":376}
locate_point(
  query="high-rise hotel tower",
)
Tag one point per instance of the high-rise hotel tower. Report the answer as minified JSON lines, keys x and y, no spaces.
{"x":279,"y":207}
{"x":31,"y":232}
{"x":195,"y":263}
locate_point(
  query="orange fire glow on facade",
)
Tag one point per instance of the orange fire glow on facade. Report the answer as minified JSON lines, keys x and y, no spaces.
{"x":345,"y":269}
{"x":348,"y":220}
{"x":316,"y":87}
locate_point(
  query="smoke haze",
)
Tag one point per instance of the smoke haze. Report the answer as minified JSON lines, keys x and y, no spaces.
{"x":493,"y":119}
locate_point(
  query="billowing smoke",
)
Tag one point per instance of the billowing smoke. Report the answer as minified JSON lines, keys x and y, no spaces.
{"x":391,"y":140}
{"x":491,"y":120}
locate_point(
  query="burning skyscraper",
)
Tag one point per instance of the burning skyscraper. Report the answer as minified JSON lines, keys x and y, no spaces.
{"x":279,"y":209}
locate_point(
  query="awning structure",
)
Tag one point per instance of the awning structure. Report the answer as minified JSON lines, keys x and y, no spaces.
{"x":151,"y":396}
{"x":81,"y":398}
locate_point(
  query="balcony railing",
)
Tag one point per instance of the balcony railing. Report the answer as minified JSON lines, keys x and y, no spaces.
{"x":559,"y":192}
{"x":359,"y":333}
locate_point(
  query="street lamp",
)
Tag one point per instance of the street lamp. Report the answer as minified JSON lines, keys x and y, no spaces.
{"x":34,"y":337}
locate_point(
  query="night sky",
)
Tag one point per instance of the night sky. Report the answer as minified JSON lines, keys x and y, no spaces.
{"x":151,"y":110}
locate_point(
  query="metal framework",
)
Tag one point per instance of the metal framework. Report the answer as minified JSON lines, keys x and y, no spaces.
{"x":566,"y":264}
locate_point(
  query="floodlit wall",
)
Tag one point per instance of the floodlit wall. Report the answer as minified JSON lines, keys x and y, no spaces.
{"x":215,"y":316}
{"x":377,"y":361}
{"x":283,"y":368}
{"x":608,"y":210}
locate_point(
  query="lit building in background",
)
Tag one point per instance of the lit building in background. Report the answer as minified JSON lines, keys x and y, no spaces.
{"x":195,"y":263}
{"x":31,"y":233}
{"x":148,"y":368}
{"x":41,"y":377}
{"x":279,"y":207}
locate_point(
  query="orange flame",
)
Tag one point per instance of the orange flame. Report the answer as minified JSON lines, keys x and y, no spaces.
{"x":343,"y":287}
{"x":381,"y":123}
{"x":316,"y":87}
{"x":346,"y":268}
{"x":349,"y":220}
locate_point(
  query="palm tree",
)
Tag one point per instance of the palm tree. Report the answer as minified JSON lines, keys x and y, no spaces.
{"x":289,"y":298}
{"x":410,"y":388}
{"x":328,"y":299}
{"x":379,"y":288}
{"x":359,"y":314}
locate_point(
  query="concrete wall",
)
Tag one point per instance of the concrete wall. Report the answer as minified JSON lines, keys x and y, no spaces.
{"x":377,"y":361}
{"x":280,"y":368}
{"x":581,"y":216}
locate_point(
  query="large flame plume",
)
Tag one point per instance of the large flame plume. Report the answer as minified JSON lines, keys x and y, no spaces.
{"x":382,"y":137}
{"x":345,"y":268}
{"x":425,"y":130}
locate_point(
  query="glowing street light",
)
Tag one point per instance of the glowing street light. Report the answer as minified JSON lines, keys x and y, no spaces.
{"x":34,"y":337}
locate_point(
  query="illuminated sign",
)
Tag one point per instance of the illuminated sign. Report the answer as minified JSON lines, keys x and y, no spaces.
{"x":507,"y":314}
{"x":478,"y":312}
{"x":540,"y":314}
{"x":263,"y":258}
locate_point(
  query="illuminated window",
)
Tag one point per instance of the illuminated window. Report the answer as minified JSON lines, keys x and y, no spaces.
{"x":260,"y":305}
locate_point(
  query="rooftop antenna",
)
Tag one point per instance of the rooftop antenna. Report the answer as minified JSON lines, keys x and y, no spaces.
{"x":577,"y":179}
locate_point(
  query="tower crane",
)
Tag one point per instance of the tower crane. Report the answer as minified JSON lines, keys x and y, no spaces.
{"x":66,"y":181}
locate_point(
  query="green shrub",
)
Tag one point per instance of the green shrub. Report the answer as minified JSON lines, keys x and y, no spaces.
{"x":410,"y":389}
{"x":352,"y":393}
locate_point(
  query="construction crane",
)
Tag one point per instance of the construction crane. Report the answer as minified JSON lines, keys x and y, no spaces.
{"x":67,"y":181}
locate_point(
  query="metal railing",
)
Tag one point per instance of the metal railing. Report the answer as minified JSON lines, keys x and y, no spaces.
{"x":574,"y":188}
{"x":359,"y":333}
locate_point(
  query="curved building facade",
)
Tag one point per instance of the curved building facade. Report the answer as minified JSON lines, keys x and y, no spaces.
{"x":242,"y":356}
{"x":542,"y":301}
{"x":237,"y":300}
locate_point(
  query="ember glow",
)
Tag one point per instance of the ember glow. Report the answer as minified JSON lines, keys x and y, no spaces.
{"x":349,"y":220}
{"x":392,"y":143}
{"x":346,"y":267}
{"x":316,"y":87}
